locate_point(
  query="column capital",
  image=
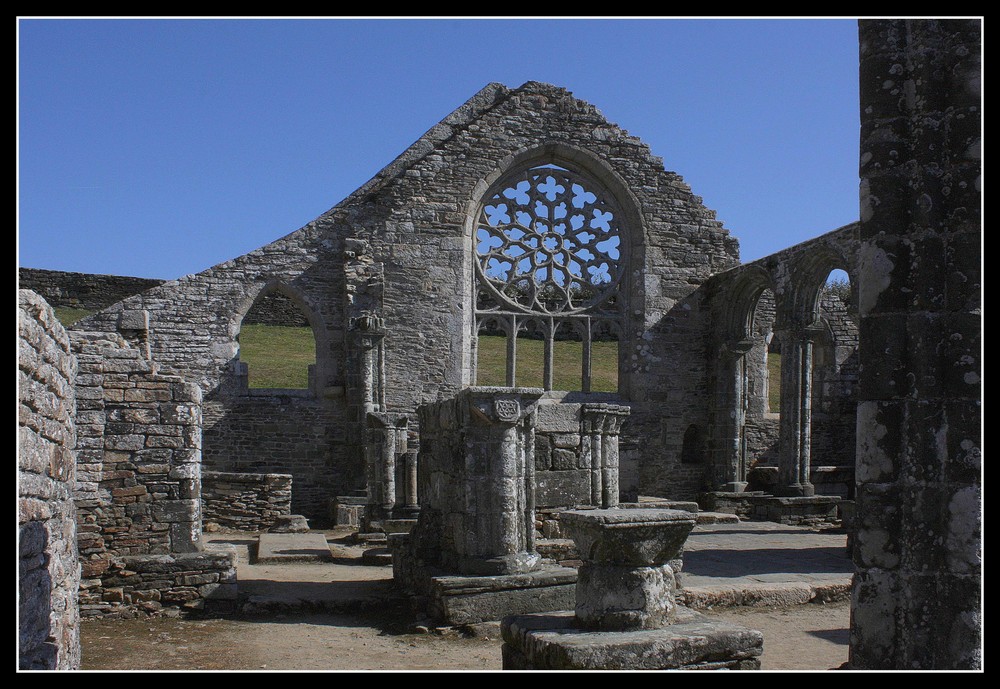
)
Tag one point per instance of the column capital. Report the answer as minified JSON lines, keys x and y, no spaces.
{"x":498,"y":405}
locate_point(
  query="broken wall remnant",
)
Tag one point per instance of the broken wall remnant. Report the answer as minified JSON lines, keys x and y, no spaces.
{"x":48,"y":566}
{"x":917,"y":600}
{"x":244,"y":502}
{"x":138,"y":490}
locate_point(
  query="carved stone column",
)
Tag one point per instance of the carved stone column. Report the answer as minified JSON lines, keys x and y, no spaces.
{"x":600,"y":427}
{"x":407,"y":501}
{"x":735,"y":476}
{"x":796,"y":413}
{"x":385,"y":445}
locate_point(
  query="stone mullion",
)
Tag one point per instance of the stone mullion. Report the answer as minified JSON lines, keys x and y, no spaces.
{"x":587,"y":373}
{"x":512,"y":351}
{"x":549,"y":347}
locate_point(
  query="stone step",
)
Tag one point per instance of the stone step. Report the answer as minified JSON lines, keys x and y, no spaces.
{"x":717,"y":518}
{"x":377,"y":557}
{"x":278,"y":548}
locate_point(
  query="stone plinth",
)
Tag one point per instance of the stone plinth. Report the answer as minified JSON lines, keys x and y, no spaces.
{"x":469,"y":600}
{"x":813,"y":510}
{"x":626,"y":615}
{"x":625,"y":581}
{"x":554,"y":641}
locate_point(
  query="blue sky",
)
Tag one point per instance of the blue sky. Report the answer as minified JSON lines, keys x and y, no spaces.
{"x":158,"y":148}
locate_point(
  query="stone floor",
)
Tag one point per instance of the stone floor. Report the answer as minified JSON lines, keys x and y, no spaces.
{"x":759,"y":564}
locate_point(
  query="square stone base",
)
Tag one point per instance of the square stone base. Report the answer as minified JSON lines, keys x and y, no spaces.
{"x":551,"y":641}
{"x":458,"y":600}
{"x":813,"y":510}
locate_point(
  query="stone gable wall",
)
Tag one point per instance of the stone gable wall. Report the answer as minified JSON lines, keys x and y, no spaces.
{"x":415,"y":221}
{"x":48,"y":565}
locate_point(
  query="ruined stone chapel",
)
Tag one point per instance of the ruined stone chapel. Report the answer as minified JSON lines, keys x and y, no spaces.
{"x":523,"y":216}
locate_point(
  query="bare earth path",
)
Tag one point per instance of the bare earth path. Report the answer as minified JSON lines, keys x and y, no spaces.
{"x":797,"y":637}
{"x":803,"y":637}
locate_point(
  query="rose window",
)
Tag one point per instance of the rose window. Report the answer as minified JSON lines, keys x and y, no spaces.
{"x":548,"y":242}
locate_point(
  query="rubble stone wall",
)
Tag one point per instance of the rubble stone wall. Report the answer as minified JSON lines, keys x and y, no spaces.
{"x":244,"y":502}
{"x":48,"y":566}
{"x":139,"y":484}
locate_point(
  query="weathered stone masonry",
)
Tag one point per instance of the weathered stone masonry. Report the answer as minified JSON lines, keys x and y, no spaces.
{"x":917,"y":601}
{"x":138,"y":487}
{"x":411,"y":228}
{"x":49,"y":571}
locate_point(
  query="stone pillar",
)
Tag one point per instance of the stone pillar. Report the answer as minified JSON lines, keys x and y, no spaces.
{"x":477,"y":481}
{"x":385,"y":444}
{"x":366,"y":337}
{"x":796,"y":413}
{"x":917,"y":594}
{"x":411,"y":500}
{"x":625,"y":581}
{"x":735,"y":364}
{"x":600,"y":426}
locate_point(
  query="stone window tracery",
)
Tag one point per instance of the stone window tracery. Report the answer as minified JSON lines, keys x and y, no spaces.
{"x":549,"y":249}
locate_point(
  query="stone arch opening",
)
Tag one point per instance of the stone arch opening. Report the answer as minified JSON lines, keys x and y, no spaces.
{"x":277,"y":340}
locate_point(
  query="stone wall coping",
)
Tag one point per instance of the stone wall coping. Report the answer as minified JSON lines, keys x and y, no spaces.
{"x":243,"y":476}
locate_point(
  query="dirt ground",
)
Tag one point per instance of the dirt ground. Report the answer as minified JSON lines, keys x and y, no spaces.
{"x":804,"y":637}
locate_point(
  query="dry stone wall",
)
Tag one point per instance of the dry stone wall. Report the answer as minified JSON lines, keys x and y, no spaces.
{"x":92,"y":292}
{"x":82,"y":290}
{"x":244,"y":502}
{"x":48,"y":566}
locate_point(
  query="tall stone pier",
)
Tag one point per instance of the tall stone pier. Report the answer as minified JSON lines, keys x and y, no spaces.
{"x":917,"y":600}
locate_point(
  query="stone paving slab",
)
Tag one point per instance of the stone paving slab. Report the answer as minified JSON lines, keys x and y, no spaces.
{"x":764,"y":564}
{"x":275,"y":548}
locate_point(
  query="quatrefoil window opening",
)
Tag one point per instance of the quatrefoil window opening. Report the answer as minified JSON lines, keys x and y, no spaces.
{"x":548,"y":242}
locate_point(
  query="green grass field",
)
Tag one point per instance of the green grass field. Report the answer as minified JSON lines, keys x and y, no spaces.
{"x":567,"y":363}
{"x":774,"y":382}
{"x":277,"y":356}
{"x":68,"y":315}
